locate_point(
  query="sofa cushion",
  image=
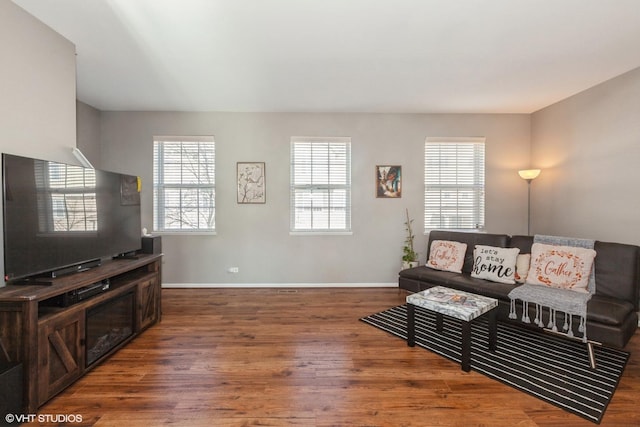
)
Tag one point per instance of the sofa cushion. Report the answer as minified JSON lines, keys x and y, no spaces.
{"x":495,"y":264}
{"x":428,"y":275}
{"x":521,"y":242}
{"x":462,"y":282}
{"x":609,"y":311}
{"x":446,"y":255}
{"x":480,"y":286}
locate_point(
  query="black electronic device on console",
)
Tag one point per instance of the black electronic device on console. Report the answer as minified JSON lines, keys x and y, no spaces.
{"x":77,"y":295}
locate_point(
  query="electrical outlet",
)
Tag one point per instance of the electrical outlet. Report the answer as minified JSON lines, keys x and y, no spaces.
{"x":233,"y":269}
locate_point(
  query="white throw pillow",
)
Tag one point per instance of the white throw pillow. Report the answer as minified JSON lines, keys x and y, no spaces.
{"x":446,"y":255}
{"x":522,"y":267}
{"x":495,"y":264}
{"x":565,"y":267}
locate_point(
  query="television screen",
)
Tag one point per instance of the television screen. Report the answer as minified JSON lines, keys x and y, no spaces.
{"x":58,"y":215}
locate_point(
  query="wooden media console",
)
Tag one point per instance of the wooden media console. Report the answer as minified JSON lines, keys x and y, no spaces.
{"x":58,"y":339}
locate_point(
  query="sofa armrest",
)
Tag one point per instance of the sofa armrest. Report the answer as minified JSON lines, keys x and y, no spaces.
{"x":617,"y":268}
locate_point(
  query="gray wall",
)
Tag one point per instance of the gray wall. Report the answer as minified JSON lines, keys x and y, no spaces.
{"x":37,"y":87}
{"x":588,"y":146}
{"x":256,"y":238}
{"x":37,"y":78}
{"x":88,"y":131}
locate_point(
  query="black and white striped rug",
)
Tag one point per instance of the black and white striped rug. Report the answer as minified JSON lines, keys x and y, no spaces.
{"x":552,"y":368}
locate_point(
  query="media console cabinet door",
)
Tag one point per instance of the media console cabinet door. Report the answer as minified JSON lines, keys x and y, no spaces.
{"x":148,"y":302}
{"x":60,"y":353}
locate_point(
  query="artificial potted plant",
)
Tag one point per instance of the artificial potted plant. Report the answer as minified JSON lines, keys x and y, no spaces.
{"x":409,"y":257}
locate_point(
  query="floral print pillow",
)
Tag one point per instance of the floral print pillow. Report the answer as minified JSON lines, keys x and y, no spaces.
{"x":522,"y":267}
{"x":446,"y":255}
{"x":565,"y":267}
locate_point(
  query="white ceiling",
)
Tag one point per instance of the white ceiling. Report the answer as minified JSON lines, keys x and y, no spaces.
{"x":405,"y":56}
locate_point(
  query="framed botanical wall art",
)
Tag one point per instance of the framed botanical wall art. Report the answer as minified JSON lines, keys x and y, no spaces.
{"x":252,"y":185}
{"x":388,"y":181}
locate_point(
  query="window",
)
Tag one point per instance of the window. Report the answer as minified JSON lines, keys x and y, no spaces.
{"x":184,"y":189}
{"x":321,"y":184}
{"x":454,"y":183}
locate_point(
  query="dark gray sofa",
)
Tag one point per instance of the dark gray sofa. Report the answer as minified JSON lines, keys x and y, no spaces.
{"x":612,"y":317}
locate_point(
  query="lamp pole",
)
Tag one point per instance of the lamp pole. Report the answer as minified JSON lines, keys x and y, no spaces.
{"x":529,"y":206}
{"x":529,"y":175}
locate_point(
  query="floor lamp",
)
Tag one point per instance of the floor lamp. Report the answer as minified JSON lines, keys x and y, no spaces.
{"x":529,"y":175}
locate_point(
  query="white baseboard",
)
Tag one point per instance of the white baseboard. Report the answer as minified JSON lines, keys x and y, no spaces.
{"x":279,"y":285}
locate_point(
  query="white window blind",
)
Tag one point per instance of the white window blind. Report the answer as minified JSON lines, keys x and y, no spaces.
{"x":320,"y":184}
{"x":454,"y":183}
{"x":184,"y":184}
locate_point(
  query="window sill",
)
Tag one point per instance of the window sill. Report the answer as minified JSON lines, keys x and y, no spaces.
{"x":184,"y":233}
{"x":459,"y":230}
{"x":320,"y":233}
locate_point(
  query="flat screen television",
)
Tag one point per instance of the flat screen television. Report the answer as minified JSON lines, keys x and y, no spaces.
{"x":60,"y":218}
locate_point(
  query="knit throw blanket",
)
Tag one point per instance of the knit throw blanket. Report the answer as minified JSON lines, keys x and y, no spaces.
{"x":555,"y":299}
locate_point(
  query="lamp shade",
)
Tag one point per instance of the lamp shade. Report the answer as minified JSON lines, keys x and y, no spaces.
{"x":529,"y":174}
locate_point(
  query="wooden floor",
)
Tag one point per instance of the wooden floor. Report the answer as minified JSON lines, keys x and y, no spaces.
{"x":283,"y":357}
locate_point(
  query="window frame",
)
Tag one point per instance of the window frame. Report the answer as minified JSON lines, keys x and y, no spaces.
{"x":160,"y":186}
{"x":477,"y":188}
{"x":297,"y":187}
